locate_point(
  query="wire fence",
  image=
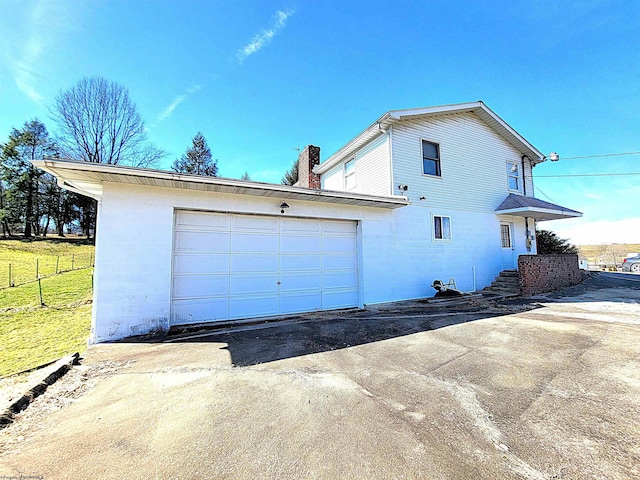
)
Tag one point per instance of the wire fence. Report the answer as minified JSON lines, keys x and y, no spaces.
{"x":16,"y":274}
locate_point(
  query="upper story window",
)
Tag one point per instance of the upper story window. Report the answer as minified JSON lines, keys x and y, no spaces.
{"x":441,"y":228}
{"x":430,"y":158}
{"x":350,"y":175}
{"x":514,"y":175}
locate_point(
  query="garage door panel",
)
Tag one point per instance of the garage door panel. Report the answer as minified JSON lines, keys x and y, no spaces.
{"x":254,"y":243}
{"x":251,"y":284}
{"x":338,"y":245}
{"x":339,"y":262}
{"x":200,"y":310}
{"x":248,"y":262}
{"x":332,"y":299}
{"x":338,"y":227}
{"x":248,"y":306}
{"x":300,"y":226}
{"x":307,"y":263}
{"x":190,"y":286}
{"x":300,"y":302}
{"x":339,"y":279}
{"x":300,"y":244}
{"x":254,"y":223}
{"x":204,"y":263}
{"x":291,"y":282}
{"x":205,"y":242}
{"x":202,"y":221}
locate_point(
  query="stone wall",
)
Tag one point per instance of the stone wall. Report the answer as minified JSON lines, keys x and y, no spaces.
{"x":546,"y":273}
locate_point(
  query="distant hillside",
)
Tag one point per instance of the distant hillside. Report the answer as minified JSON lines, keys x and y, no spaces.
{"x":609,"y":254}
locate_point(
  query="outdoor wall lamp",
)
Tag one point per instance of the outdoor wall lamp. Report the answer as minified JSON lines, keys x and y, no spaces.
{"x":283,"y":205}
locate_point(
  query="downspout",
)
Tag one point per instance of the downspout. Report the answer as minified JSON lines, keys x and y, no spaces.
{"x":527,"y":240}
{"x":389,"y":133}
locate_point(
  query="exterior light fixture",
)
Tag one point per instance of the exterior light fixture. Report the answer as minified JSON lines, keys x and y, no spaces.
{"x":283,"y":205}
{"x":554,"y":157}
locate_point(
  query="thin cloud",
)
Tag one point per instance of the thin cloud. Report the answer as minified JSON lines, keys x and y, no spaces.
{"x":264,"y":37}
{"x":25,"y":62}
{"x":166,"y":113}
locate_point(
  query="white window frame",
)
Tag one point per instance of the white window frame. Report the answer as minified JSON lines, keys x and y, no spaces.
{"x":442,"y":228}
{"x":350,"y":174}
{"x":437,"y":144}
{"x":506,"y":227}
{"x":518,"y":176}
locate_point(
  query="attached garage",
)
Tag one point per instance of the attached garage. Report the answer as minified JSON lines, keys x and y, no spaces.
{"x":235,"y":266}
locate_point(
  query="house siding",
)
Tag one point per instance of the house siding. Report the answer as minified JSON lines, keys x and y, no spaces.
{"x":372,"y":170}
{"x":473,"y":163}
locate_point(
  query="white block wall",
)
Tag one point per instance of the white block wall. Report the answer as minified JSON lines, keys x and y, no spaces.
{"x":398,"y":258}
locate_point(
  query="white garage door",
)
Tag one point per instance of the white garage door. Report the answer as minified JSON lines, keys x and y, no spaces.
{"x":228,"y":266}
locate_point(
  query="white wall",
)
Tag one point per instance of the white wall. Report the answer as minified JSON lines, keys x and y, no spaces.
{"x":473,"y":162}
{"x":398,"y":258}
{"x":372,"y":170}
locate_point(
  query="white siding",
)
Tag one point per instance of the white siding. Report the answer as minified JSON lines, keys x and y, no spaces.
{"x":473,"y":163}
{"x":372,"y":167}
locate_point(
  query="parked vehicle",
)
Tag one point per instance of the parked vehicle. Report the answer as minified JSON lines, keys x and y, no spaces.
{"x":631,"y":264}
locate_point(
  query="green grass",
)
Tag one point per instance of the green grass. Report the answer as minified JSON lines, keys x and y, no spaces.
{"x":30,"y":334}
{"x":65,"y":254}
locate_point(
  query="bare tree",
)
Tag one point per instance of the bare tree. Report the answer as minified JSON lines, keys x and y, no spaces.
{"x":99,"y":123}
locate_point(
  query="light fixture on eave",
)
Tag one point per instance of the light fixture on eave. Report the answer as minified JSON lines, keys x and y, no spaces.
{"x":283,"y":205}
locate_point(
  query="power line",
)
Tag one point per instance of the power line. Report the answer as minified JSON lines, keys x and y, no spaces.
{"x":589,"y":175}
{"x":603,"y":155}
{"x":548,"y":197}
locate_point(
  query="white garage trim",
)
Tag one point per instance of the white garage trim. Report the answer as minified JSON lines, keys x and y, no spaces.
{"x":229,"y":266}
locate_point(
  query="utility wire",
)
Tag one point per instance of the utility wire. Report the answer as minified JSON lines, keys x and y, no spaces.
{"x":589,"y":175}
{"x":548,"y":197}
{"x":603,"y":155}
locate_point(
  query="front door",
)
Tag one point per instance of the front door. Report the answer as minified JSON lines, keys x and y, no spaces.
{"x":508,"y":252}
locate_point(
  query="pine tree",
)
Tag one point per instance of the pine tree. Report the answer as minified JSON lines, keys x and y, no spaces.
{"x":20,"y":203}
{"x":197,"y":159}
{"x":548,"y":242}
{"x":245,"y":177}
{"x":291,"y":176}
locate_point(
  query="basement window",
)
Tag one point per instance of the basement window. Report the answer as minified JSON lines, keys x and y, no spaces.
{"x":441,"y":228}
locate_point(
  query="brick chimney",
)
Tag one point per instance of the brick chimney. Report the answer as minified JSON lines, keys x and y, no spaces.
{"x":308,"y":158}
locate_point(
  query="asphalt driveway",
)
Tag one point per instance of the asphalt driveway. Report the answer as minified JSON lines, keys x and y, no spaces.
{"x":537,"y":389}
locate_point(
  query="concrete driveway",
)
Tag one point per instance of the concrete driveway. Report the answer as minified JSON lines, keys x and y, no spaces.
{"x":539,"y":389}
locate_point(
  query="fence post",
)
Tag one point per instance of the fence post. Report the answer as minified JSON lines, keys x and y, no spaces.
{"x":37,"y":269}
{"x":57,"y":263}
{"x":40,"y":290}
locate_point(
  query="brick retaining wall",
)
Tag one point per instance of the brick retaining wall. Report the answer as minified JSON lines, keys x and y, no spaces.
{"x":546,"y":273}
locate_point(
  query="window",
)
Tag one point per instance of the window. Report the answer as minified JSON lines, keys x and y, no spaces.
{"x":513,"y":171}
{"x":505,"y":235}
{"x":430,"y":158}
{"x":350,"y":175}
{"x":441,"y":228}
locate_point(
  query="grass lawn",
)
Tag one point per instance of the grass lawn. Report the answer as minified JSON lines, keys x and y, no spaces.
{"x":63,"y":253}
{"x":30,"y":334}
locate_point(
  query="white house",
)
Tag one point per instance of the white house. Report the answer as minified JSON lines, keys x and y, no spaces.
{"x":422,"y":194}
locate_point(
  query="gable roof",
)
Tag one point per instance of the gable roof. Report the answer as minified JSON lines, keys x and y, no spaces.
{"x":383,"y":124}
{"x":531,"y":207}
{"x":88,"y":179}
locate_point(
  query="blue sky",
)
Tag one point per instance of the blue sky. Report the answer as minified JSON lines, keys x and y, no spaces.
{"x":261,"y":79}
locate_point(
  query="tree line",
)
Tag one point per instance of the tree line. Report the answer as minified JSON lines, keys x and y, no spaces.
{"x":96,"y":121}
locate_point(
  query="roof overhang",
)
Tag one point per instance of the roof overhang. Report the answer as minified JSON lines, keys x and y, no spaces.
{"x":386,"y":121}
{"x":89,"y":178}
{"x":531,"y":207}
